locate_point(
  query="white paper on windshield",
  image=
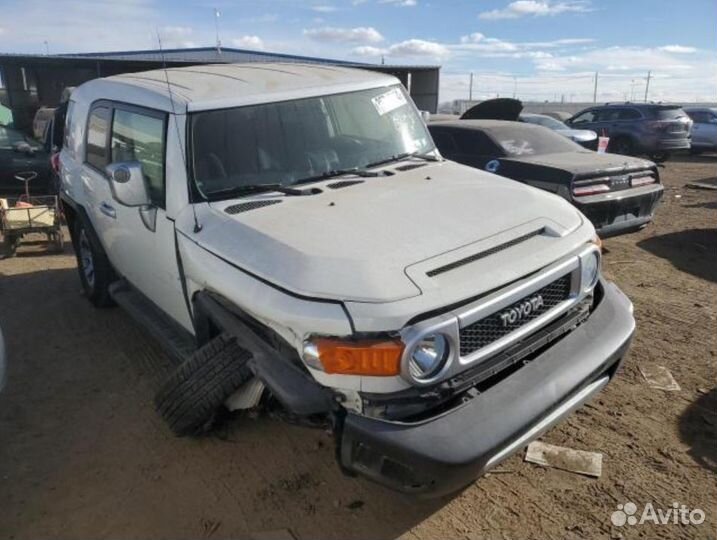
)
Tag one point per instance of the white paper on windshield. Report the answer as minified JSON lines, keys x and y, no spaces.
{"x":389,"y":101}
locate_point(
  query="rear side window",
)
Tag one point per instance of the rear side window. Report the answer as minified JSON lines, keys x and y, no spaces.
{"x":141,"y":137}
{"x":96,"y":152}
{"x":667,"y":113}
{"x":629,"y":114}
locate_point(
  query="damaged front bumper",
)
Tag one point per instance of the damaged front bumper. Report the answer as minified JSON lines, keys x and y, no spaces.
{"x":444,"y":453}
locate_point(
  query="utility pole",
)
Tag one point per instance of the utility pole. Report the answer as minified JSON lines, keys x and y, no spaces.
{"x":595,"y":89}
{"x":470,"y":88}
{"x":515,"y":86}
{"x":647,"y":85}
{"x":47,"y":48}
{"x":216,"y":30}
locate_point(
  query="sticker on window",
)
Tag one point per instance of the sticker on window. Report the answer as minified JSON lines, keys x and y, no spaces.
{"x":389,"y":101}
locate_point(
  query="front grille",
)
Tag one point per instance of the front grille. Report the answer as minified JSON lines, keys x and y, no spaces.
{"x":489,"y":329}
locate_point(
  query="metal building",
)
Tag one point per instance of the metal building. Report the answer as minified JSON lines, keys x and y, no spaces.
{"x":28,"y":82}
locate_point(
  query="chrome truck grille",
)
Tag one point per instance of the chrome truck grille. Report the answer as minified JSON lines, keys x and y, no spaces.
{"x":485,"y":331}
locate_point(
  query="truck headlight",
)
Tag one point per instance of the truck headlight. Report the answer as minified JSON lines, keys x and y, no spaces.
{"x":428,"y":356}
{"x":590,"y":270}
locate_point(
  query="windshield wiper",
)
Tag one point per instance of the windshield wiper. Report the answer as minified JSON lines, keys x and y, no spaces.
{"x":405,"y":155}
{"x":339,"y":172}
{"x":258,"y":188}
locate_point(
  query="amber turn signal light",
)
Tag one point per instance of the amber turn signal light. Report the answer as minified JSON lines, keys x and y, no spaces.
{"x":368,"y":357}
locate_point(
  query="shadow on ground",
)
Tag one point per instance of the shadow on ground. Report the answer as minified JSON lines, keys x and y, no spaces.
{"x":692,"y":251}
{"x":698,"y":429}
{"x":78,"y":425}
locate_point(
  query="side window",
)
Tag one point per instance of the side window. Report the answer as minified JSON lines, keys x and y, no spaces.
{"x":96,"y":153}
{"x":444,"y":141}
{"x":587,"y":116}
{"x":629,"y":114}
{"x":140,"y":137}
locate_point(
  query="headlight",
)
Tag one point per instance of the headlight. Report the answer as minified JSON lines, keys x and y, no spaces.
{"x":428,"y":356}
{"x":590,"y":270}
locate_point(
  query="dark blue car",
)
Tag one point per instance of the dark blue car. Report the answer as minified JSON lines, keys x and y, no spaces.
{"x":638,"y":128}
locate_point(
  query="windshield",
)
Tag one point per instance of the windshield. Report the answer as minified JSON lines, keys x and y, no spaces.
{"x":524,"y":141}
{"x":544,"y":121}
{"x":287,"y":142}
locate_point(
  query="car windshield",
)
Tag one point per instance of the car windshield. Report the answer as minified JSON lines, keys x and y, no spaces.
{"x":522,"y":140}
{"x":286,"y":142}
{"x":544,"y":121}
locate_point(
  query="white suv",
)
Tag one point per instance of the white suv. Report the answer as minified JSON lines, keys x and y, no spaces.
{"x":291,"y":234}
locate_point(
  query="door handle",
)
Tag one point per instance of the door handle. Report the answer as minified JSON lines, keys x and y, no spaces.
{"x":108,"y":210}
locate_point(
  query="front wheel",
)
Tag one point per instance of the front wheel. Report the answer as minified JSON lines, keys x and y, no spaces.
{"x":622,"y":145}
{"x":9,"y":245}
{"x":94,"y":267}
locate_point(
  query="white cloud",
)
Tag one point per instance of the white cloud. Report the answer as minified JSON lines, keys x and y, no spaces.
{"x":678,"y":49}
{"x":368,"y":51}
{"x":419,"y":47}
{"x":249,"y":42}
{"x":359,"y":34}
{"x":535,"y":8}
{"x":324,"y":8}
{"x":401,"y":3}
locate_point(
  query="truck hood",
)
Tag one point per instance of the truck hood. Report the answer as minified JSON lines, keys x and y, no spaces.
{"x":355,"y":242}
{"x":585,"y":162}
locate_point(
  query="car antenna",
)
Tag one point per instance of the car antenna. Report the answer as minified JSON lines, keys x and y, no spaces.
{"x":197,"y":226}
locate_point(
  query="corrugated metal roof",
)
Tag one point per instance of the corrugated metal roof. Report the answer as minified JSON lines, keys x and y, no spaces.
{"x":229,"y":55}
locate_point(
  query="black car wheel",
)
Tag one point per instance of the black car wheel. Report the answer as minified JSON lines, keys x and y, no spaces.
{"x":95,"y":270}
{"x":622,"y":145}
{"x":659,"y":157}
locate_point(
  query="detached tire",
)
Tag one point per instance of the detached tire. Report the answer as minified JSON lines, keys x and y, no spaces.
{"x":190,"y":398}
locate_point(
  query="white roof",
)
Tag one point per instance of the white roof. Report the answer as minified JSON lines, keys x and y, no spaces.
{"x":217,"y":86}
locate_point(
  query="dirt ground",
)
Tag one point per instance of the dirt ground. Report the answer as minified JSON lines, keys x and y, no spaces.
{"x":84,"y":456}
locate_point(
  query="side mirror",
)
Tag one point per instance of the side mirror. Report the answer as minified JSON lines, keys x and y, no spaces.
{"x":127,"y":183}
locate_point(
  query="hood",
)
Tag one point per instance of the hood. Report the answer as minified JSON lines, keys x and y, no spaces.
{"x":578,"y":135}
{"x":585,"y":162}
{"x":495,"y":109}
{"x":356,"y":242}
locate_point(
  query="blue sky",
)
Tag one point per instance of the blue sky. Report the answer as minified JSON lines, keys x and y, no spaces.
{"x":537,"y":49}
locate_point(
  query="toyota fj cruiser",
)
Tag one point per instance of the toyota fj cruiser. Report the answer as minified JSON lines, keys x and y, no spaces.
{"x":294,"y":239}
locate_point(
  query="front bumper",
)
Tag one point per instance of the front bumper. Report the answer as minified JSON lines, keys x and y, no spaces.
{"x":622,"y":211}
{"x":444,"y":453}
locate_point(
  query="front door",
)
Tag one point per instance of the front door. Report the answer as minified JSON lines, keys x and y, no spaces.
{"x":139,"y":241}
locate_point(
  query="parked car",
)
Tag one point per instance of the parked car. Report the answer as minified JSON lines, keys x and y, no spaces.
{"x":315,"y":248}
{"x":638,"y":128}
{"x":558,"y":115}
{"x":584,"y":137}
{"x":20,"y":153}
{"x":704,"y":128}
{"x":618,"y":194}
